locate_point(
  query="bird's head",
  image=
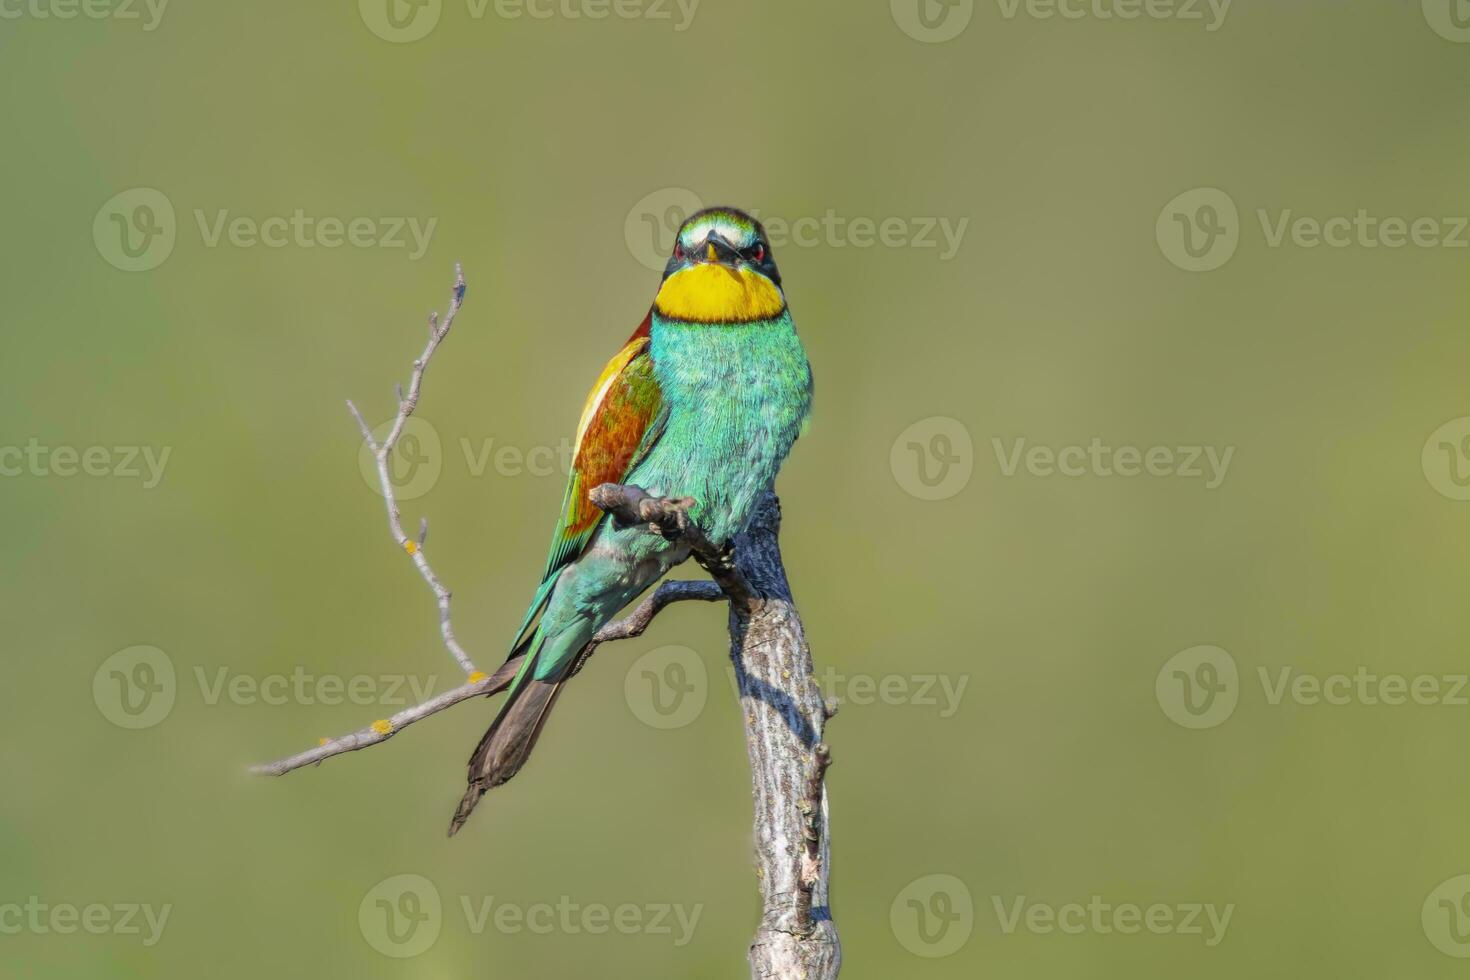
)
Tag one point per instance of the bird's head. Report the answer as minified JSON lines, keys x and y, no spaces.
{"x":721,"y":271}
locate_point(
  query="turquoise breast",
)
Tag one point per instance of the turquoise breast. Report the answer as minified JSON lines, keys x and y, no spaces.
{"x":737,"y":396}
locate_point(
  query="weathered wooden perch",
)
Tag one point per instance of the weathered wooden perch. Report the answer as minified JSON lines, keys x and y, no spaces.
{"x":785,"y":719}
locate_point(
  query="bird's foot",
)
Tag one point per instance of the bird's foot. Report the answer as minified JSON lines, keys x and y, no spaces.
{"x":669,"y":516}
{"x":631,"y":505}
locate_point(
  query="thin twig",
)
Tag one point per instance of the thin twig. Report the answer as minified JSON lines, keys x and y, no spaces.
{"x":386,"y":728}
{"x":380,"y":731}
{"x":637,"y":621}
{"x":383,"y":455}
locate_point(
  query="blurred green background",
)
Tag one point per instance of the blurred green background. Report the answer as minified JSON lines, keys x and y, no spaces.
{"x":550,"y":152}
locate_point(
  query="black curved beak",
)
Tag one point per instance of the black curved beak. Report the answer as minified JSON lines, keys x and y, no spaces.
{"x":719,"y":250}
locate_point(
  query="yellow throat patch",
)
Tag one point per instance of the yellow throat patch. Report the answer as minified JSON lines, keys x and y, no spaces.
{"x":712,"y":293}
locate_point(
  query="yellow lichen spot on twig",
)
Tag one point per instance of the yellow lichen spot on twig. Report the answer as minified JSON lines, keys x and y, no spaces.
{"x":383,"y":726}
{"x":477,"y":676}
{"x":411,"y":546}
{"x":324,"y":741}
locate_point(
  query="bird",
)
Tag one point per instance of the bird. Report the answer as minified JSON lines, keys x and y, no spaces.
{"x":703,"y":401}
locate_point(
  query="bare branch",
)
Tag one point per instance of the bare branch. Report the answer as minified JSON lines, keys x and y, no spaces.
{"x":784,"y":717}
{"x":383,"y":456}
{"x":386,"y":728}
{"x":380,"y":731}
{"x":637,"y":621}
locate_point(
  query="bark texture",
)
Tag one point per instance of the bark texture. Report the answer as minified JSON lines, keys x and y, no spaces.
{"x":784,"y":717}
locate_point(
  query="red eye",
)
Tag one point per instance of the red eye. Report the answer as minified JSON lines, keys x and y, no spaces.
{"x":678,"y":250}
{"x":760,"y":253}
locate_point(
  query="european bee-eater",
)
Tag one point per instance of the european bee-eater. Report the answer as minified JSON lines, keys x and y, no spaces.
{"x":703,"y":401}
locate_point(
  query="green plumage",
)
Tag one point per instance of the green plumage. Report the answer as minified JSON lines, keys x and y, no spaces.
{"x":732,"y":398}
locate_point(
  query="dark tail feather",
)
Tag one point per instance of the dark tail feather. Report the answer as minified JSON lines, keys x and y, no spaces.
{"x":508,"y":743}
